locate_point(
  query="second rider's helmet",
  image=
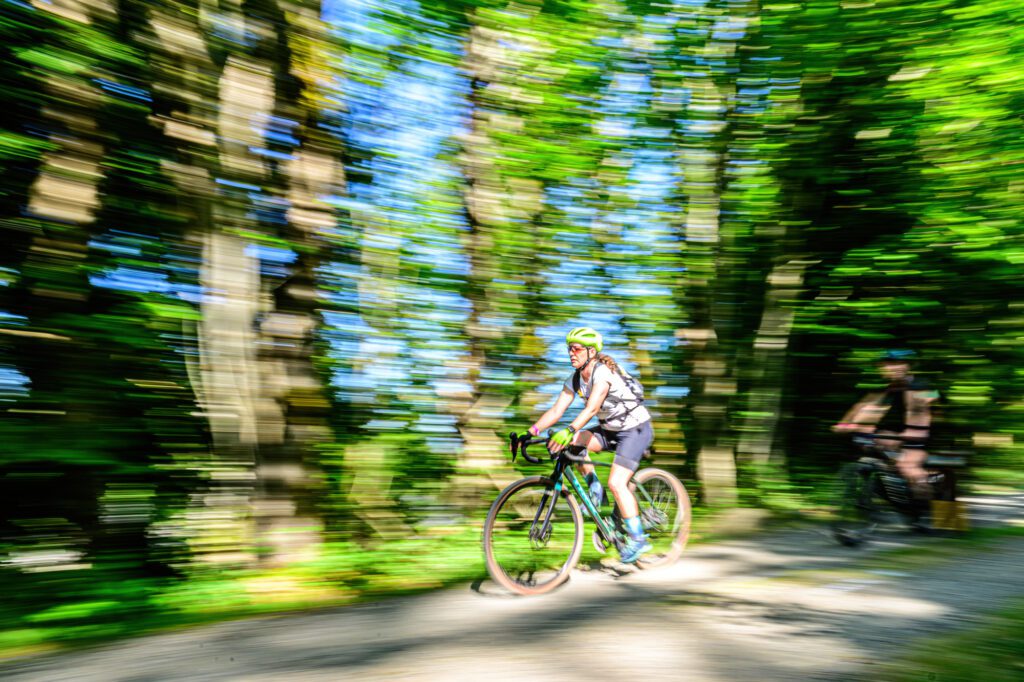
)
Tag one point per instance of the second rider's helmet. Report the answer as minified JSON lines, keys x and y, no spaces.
{"x":585,"y":336}
{"x":897,"y":355}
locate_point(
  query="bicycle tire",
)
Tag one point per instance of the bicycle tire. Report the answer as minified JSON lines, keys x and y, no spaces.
{"x":516,"y":561}
{"x":857,"y":512}
{"x":666,"y":518}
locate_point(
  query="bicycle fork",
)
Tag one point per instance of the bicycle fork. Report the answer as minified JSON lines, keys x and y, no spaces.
{"x":540,"y":529}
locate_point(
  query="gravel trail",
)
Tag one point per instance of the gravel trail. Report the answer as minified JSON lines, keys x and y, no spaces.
{"x":789,"y":605}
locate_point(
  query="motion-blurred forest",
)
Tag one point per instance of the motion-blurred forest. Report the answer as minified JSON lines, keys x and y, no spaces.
{"x":277,"y":277}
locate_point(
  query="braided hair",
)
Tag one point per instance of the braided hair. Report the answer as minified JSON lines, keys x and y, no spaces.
{"x":608,"y":362}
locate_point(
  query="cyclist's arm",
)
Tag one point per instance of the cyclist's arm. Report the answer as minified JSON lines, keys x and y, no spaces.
{"x":593,"y":406}
{"x":863,"y":415}
{"x":554,"y":413}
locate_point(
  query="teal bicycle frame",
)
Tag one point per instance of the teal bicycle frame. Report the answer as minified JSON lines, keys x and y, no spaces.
{"x":563,"y":472}
{"x":604,"y":527}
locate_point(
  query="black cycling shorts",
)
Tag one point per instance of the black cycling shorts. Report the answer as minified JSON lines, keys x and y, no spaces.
{"x":629,"y":444}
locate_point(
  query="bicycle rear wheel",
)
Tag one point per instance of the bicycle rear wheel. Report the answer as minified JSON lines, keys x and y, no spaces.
{"x":533,"y":536}
{"x":858,"y":512}
{"x":665,"y":514}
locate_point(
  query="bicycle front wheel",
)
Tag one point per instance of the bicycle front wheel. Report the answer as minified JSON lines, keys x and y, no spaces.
{"x":533,"y":536}
{"x":665,"y":514}
{"x":857,"y":514}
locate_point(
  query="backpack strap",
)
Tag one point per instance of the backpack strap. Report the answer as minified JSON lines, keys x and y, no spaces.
{"x":576,"y":378}
{"x":576,"y":388}
{"x":636,"y":399}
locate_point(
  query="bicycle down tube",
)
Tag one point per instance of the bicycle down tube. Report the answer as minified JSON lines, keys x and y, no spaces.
{"x":607,"y":532}
{"x":563,"y":470}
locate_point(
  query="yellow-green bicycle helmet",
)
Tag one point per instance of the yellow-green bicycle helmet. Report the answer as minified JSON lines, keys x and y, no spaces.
{"x":585,"y":336}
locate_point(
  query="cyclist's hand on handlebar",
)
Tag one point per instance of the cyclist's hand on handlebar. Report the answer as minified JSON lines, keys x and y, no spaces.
{"x":560,"y":440}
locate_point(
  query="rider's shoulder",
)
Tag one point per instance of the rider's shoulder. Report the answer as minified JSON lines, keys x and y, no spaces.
{"x":602,"y":372}
{"x":918,"y":383}
{"x":922,"y":387}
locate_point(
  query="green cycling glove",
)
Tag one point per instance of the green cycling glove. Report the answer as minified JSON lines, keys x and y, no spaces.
{"x":563,"y":437}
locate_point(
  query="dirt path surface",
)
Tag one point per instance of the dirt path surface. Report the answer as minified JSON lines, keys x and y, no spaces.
{"x":786,"y":606}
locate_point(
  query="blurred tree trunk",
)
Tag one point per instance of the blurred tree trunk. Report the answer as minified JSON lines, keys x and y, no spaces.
{"x":490,"y":208}
{"x":713,"y":380}
{"x":293,"y":409}
{"x":483,"y":454}
{"x":529,"y":69}
{"x":371,"y":464}
{"x":760,"y":418}
{"x":242,"y":79}
{"x":219,"y":101}
{"x":717,"y":288}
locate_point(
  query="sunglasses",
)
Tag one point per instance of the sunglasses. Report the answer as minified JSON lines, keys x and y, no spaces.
{"x":575,"y":348}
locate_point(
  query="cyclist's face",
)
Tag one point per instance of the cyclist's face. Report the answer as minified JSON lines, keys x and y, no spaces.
{"x":578,"y":354}
{"x":894,"y":371}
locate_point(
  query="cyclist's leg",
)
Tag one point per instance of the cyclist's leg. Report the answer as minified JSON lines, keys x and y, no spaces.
{"x":595,"y":441}
{"x":629,"y":450}
{"x":628,"y":453}
{"x":618,"y":481}
{"x":910,"y":464}
{"x":636,"y":541}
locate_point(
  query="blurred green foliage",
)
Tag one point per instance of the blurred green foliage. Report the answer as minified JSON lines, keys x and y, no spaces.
{"x":278,"y":280}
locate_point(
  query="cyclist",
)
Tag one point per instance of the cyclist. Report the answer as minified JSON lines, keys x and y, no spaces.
{"x":624,"y":424}
{"x":903,"y":409}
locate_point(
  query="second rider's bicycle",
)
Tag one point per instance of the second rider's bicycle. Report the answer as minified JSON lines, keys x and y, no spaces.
{"x":533,"y":535}
{"x":872,"y":486}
